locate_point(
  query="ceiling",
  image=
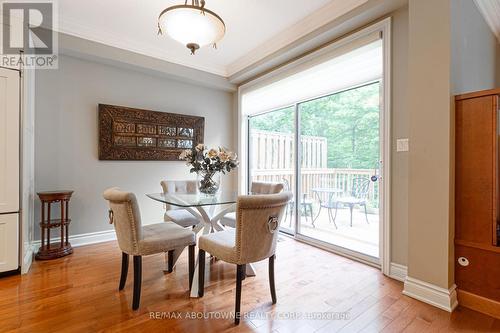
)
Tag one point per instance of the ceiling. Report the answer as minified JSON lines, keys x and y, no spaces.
{"x":490,"y":9}
{"x":255,"y":28}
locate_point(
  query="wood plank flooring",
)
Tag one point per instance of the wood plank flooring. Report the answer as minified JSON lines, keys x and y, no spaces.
{"x":317,"y":292}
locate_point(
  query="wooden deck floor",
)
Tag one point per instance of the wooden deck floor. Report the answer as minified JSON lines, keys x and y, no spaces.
{"x":79,"y":294}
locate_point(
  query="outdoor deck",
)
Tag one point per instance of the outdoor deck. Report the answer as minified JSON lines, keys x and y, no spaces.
{"x":361,"y":237}
{"x":274,"y":162}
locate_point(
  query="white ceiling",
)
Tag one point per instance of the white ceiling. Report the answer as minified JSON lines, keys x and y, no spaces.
{"x":255,"y":28}
{"x":490,"y":9}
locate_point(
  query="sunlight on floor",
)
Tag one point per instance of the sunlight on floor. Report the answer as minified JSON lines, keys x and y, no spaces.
{"x":361,"y":237}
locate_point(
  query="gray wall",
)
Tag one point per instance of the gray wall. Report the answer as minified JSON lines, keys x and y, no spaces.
{"x":400,"y":129}
{"x":475,"y":50}
{"x":66,"y":135}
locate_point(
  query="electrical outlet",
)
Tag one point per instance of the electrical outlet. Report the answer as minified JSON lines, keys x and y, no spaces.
{"x":402,"y":145}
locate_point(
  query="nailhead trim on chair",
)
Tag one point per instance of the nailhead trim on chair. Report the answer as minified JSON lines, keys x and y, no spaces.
{"x":135,"y":241}
{"x":238,"y":240}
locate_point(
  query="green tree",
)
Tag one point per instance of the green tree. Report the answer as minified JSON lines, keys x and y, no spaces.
{"x":349,"y":121}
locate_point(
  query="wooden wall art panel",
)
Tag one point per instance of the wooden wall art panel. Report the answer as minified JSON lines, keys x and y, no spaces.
{"x":135,"y":134}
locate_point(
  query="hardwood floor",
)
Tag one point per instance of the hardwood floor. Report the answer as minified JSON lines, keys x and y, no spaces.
{"x":79,"y":293}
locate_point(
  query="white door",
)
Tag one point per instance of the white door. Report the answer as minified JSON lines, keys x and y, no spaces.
{"x":9,"y":141}
{"x":9,"y":242}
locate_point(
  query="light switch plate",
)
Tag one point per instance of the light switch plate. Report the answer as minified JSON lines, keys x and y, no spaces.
{"x":402,"y":145}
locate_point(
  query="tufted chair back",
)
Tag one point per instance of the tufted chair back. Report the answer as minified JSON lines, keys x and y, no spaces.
{"x":125,"y":216}
{"x":178,"y":186}
{"x":257,"y":224}
{"x":266,"y":188}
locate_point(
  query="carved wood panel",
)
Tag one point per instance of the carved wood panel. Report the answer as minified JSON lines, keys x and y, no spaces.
{"x":135,"y":134}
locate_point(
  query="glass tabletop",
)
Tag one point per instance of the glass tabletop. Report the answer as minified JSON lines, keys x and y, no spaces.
{"x":195,"y":199}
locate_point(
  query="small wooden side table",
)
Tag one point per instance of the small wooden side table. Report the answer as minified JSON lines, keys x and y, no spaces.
{"x":62,"y":248}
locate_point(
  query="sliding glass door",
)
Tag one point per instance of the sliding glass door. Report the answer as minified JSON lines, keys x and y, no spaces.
{"x":328,"y":144}
{"x":340,"y":154}
{"x":271,"y":147}
{"x":337,"y":172}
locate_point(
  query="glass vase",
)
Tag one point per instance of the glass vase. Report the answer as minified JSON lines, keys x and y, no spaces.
{"x":209,"y":182}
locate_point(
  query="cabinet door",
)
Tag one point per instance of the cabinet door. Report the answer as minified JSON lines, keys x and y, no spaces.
{"x":9,"y":246}
{"x":9,"y":140}
{"x":476,"y":170}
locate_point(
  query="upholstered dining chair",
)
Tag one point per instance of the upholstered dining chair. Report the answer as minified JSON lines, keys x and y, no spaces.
{"x":229,"y":220}
{"x":254,"y":239}
{"x":178,"y":215}
{"x":138,"y":241}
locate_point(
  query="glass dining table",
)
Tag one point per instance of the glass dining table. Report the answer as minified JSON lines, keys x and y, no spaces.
{"x":209,"y":210}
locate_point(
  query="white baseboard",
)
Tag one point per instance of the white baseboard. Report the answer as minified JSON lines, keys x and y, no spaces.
{"x":28,"y":259}
{"x":398,"y":272}
{"x":84,"y":239}
{"x":445,"y":299}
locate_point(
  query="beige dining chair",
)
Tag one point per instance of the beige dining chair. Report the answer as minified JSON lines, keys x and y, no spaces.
{"x":178,"y":215}
{"x":138,"y":240}
{"x":254,"y":239}
{"x":175,"y":214}
{"x":229,"y":220}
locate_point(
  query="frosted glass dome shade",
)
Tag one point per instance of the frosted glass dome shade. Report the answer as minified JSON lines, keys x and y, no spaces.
{"x":192,"y":26}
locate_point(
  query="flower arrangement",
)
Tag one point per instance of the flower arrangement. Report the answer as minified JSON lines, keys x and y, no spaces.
{"x":208,"y":164}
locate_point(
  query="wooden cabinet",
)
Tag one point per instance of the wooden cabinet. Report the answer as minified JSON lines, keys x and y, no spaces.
{"x":477,"y":254}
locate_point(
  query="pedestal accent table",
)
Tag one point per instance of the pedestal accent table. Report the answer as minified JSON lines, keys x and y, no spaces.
{"x":59,"y":249}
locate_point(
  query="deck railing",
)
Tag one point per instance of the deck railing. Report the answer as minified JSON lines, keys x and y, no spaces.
{"x":274,"y":161}
{"x":320,"y":178}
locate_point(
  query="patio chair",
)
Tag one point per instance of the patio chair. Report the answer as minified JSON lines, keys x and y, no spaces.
{"x":358,"y":197}
{"x":306,"y":205}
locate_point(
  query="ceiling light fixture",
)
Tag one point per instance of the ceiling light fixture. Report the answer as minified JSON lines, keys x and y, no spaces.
{"x":192,"y":25}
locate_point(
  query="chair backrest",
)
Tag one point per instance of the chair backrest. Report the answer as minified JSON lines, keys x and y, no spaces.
{"x":125,"y":216}
{"x":360,"y":187}
{"x":178,"y":186}
{"x":266,"y":188}
{"x":257,"y":225}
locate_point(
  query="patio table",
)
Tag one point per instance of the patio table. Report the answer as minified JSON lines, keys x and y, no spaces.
{"x":331,"y":191}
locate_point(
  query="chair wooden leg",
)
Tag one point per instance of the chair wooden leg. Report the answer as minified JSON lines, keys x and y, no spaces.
{"x":170,"y":263}
{"x":191,"y":264}
{"x":271,"y":278}
{"x":123,"y":277}
{"x":137,"y":282}
{"x":240,"y":273}
{"x":201,"y":273}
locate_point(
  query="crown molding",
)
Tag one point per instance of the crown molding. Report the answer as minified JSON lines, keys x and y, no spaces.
{"x":324,"y":15}
{"x":319,"y":18}
{"x":102,"y":53}
{"x":490,"y":9}
{"x":70,"y":27}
